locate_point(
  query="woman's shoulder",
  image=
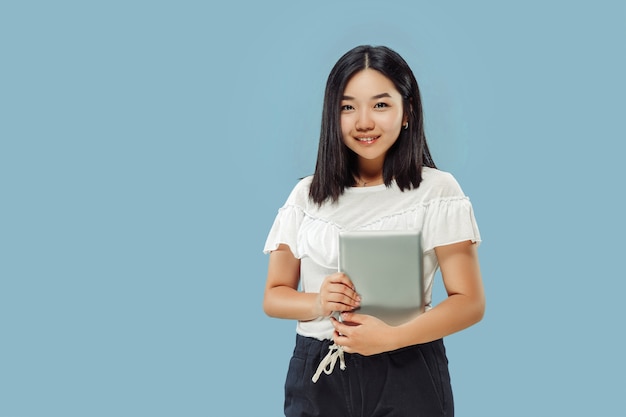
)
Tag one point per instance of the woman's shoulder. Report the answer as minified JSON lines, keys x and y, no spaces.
{"x":440,"y":183}
{"x":300,"y":193}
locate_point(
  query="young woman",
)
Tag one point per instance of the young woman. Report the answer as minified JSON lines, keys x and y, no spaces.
{"x":374,"y":172}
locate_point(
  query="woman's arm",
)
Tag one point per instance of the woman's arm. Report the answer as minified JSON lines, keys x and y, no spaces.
{"x":464,"y":306}
{"x":283,"y":300}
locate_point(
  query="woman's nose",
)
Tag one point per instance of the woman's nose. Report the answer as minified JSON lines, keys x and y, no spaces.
{"x":364,"y":121}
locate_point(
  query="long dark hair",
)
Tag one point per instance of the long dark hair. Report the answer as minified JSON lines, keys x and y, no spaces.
{"x":336,"y":165}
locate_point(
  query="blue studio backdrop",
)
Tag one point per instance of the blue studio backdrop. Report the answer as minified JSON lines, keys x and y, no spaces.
{"x":146,"y":146}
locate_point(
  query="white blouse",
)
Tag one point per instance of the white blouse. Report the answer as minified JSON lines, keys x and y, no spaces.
{"x":438,"y":208}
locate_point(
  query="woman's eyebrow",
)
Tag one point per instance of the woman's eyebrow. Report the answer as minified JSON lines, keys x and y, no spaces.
{"x":377,"y":96}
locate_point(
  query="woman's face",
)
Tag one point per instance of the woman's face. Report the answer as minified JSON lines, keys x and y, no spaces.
{"x":371,"y":115}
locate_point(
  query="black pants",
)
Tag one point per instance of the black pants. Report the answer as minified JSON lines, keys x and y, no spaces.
{"x":412,"y":381}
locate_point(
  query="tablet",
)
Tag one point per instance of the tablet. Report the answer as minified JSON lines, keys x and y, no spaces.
{"x":386,"y":270}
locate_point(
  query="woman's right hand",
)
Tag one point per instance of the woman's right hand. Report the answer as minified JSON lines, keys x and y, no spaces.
{"x":337,"y":293}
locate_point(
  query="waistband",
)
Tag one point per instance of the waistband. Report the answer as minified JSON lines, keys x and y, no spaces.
{"x":310,"y":346}
{"x":328,"y":353}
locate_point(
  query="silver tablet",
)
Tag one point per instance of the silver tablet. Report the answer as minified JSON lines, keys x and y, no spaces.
{"x":386,"y":269}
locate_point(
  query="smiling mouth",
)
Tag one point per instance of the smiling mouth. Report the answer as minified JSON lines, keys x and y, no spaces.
{"x":368,"y":139}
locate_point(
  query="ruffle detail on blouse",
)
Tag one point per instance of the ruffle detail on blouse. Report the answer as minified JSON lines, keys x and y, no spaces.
{"x":442,"y":221}
{"x":285,"y":230}
{"x":448,"y":221}
{"x":306,"y":236}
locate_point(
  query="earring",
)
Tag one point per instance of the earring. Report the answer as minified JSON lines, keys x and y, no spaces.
{"x":406,"y":126}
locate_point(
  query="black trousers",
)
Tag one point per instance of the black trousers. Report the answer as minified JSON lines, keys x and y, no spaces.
{"x":412,"y":381}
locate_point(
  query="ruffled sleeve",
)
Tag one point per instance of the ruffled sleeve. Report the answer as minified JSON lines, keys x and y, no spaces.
{"x":288,"y":221}
{"x":449,"y":220}
{"x":449,"y":216}
{"x":285,"y":229}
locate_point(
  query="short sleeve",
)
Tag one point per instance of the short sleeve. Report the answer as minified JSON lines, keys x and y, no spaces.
{"x":449,"y":215}
{"x":288,"y":221}
{"x":449,"y":220}
{"x":285,"y":229}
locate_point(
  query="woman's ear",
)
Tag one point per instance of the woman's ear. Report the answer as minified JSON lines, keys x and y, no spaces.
{"x":405,"y":120}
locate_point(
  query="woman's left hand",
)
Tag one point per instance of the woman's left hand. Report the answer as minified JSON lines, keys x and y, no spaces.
{"x":363,"y":334}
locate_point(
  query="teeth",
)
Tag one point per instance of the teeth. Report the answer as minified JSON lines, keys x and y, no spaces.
{"x":365,"y":139}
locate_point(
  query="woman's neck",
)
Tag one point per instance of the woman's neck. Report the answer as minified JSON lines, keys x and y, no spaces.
{"x":369,"y":174}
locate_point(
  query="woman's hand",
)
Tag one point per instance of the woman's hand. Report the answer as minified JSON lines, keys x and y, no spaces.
{"x":283,"y":300}
{"x":363,"y":334}
{"x":337,"y":293}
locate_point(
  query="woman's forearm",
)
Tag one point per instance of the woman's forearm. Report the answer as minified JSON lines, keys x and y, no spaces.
{"x":287,"y":303}
{"x":455,"y":313}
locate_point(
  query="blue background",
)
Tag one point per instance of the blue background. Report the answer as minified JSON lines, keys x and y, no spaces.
{"x":145,"y":148}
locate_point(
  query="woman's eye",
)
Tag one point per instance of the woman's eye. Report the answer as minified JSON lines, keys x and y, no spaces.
{"x":380,"y":105}
{"x":346,"y":107}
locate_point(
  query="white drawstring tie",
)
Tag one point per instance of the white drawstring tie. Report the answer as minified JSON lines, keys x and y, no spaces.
{"x":328,"y":363}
